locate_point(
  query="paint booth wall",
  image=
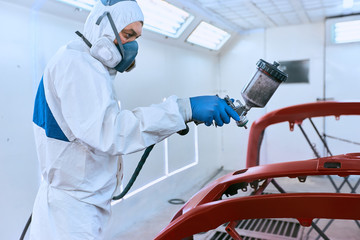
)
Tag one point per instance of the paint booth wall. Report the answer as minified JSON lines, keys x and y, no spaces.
{"x":238,"y":65}
{"x":29,"y":39}
{"x":332,"y":74}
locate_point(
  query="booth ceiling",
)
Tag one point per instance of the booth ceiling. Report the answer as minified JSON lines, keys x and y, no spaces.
{"x":244,"y":15}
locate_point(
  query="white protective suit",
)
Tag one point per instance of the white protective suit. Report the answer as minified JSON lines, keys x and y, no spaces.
{"x":81,"y":132}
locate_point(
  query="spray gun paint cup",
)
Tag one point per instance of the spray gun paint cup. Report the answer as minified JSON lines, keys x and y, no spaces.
{"x":259,"y":90}
{"x":262,"y":86}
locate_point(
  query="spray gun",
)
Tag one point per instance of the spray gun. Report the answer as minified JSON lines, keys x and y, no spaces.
{"x":258,"y":90}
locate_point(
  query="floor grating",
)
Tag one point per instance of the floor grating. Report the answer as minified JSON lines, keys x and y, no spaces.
{"x":258,"y":229}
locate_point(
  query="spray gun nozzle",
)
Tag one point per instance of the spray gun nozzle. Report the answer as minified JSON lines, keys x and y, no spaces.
{"x":240,"y":109}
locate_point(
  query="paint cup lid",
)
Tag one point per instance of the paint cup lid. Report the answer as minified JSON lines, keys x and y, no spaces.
{"x":272,"y":70}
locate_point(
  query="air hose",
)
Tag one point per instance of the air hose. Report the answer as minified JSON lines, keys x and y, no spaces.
{"x":26,"y":228}
{"x":121,"y":195}
{"x":136,"y":173}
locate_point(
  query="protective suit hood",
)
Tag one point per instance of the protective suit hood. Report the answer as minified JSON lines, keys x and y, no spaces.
{"x":123,"y":13}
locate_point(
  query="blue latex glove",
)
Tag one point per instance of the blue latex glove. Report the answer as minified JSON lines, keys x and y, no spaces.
{"x":209,"y":108}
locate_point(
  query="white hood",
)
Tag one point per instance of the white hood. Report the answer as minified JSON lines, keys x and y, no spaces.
{"x":123,"y":13}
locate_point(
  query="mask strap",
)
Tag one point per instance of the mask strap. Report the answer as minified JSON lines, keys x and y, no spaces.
{"x":84,"y":39}
{"x":114,"y":29}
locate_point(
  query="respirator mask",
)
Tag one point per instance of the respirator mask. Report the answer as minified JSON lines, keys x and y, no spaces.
{"x":120,"y":57}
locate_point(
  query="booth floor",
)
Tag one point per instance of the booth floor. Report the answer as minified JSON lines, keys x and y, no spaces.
{"x":338,"y":229}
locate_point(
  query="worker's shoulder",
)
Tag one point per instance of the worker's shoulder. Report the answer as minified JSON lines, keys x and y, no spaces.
{"x":75,"y":54}
{"x":74,"y":51}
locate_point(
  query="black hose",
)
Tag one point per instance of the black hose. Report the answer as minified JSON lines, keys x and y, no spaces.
{"x":26,"y":228}
{"x":136,"y":173}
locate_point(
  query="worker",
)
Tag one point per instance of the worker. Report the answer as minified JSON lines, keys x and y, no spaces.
{"x":81,"y":131}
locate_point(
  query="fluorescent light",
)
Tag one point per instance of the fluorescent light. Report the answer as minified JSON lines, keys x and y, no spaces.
{"x":208,"y":36}
{"x":160,"y":16}
{"x":348,"y":3}
{"x":83,"y":4}
{"x":164,"y":18}
{"x":346,"y":32}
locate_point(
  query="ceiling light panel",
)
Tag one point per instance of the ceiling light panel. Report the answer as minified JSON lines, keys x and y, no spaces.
{"x":160,"y":16}
{"x":208,"y":36}
{"x":346,"y":32}
{"x":164,"y":18}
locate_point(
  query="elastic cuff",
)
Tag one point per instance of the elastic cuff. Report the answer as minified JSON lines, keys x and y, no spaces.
{"x":185,"y":108}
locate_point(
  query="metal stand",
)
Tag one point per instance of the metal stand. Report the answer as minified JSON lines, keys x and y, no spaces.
{"x":353,"y":189}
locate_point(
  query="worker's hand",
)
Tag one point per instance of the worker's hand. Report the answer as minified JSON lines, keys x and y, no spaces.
{"x":209,"y":108}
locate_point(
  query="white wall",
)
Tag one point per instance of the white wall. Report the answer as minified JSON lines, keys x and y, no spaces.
{"x":29,"y":39}
{"x":333,"y":74}
{"x":342,"y":84}
{"x":18,"y":171}
{"x":238,"y":66}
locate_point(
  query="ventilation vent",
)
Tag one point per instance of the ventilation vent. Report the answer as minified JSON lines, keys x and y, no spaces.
{"x":258,"y":229}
